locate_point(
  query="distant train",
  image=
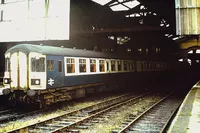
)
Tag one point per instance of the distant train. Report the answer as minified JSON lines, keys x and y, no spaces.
{"x":46,"y":74}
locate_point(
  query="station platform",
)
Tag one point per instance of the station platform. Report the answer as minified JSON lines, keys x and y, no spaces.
{"x":1,"y":89}
{"x":1,"y":83}
{"x":187,"y":119}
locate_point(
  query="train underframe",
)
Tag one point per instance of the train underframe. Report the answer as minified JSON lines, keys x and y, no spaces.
{"x":42,"y":98}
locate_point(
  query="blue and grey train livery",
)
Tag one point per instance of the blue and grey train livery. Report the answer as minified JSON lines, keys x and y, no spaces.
{"x":46,"y":74}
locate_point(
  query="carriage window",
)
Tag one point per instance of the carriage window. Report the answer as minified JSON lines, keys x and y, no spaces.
{"x":82,"y":65}
{"x":154,"y":66}
{"x":139,"y":67}
{"x":132,"y":66}
{"x":7,"y":64}
{"x":101,"y":65}
{"x":59,"y":66}
{"x":50,"y":65}
{"x":92,"y":65}
{"x":38,"y":65}
{"x":128,"y":66}
{"x":119,"y":65}
{"x":113,"y":68}
{"x":163,"y":66}
{"x":148,"y":66}
{"x":125,"y":65}
{"x":144,"y":66}
{"x":70,"y":62}
{"x":151,"y":66}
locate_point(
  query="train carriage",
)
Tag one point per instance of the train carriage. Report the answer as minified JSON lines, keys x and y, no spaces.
{"x":46,"y":74}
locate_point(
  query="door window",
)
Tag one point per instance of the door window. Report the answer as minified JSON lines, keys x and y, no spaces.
{"x":59,"y":66}
{"x":50,"y":65}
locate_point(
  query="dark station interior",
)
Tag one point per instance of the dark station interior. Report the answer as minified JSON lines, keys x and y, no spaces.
{"x":150,"y":34}
{"x":137,"y":46}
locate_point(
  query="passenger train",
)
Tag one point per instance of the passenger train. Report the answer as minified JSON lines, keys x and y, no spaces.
{"x":47,"y":74}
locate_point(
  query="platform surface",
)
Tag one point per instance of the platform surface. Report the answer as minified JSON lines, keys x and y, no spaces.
{"x":187,"y":119}
{"x":1,"y":89}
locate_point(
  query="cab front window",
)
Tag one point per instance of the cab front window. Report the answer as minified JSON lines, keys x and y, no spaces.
{"x":38,"y":64}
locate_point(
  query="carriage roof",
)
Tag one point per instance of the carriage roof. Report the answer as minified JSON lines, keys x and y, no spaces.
{"x":52,"y":50}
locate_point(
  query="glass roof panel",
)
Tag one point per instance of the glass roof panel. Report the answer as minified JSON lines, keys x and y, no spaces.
{"x":132,"y":4}
{"x":198,"y":51}
{"x":190,"y":52}
{"x":119,"y":7}
{"x":102,"y":2}
{"x":113,"y":3}
{"x":120,"y":0}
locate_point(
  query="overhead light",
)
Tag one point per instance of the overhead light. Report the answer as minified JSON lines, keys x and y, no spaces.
{"x":190,"y":52}
{"x":120,"y":0}
{"x":119,"y":7}
{"x":197,"y":51}
{"x":170,"y":36}
{"x":175,"y":38}
{"x":113,"y":3}
{"x":93,"y":28}
{"x":180,"y":60}
{"x":129,"y":50}
{"x":188,"y":60}
{"x":161,"y":24}
{"x":102,"y":2}
{"x":167,"y":25}
{"x":142,"y":7}
{"x":111,"y":37}
{"x":135,"y":15}
{"x":132,"y":4}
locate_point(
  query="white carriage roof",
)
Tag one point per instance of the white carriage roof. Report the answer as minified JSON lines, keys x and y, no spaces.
{"x":52,"y":50}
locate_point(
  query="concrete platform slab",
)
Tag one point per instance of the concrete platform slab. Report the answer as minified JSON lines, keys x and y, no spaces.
{"x":187,"y":119}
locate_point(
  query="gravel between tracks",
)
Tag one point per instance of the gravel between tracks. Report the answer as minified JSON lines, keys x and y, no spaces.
{"x":73,"y":105}
{"x":115,"y":121}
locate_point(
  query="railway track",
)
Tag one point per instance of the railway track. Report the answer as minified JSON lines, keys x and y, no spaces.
{"x":69,"y":120}
{"x":154,"y":119}
{"x":13,"y":114}
{"x":7,"y":115}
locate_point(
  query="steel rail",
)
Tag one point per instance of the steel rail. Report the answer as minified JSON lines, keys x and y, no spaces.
{"x":169,"y":119}
{"x":96,"y":114}
{"x":5,"y":111}
{"x":15,"y":115}
{"x":25,"y":128}
{"x":123,"y":130}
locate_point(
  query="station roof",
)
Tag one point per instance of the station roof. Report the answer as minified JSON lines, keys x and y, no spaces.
{"x":101,"y":15}
{"x":135,"y":23}
{"x":112,"y":24}
{"x":58,"y":51}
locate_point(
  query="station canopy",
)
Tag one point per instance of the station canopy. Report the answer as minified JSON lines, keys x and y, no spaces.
{"x":119,"y":5}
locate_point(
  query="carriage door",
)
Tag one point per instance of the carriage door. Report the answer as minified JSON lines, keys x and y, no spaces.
{"x":18,"y":70}
{"x":55,"y":72}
